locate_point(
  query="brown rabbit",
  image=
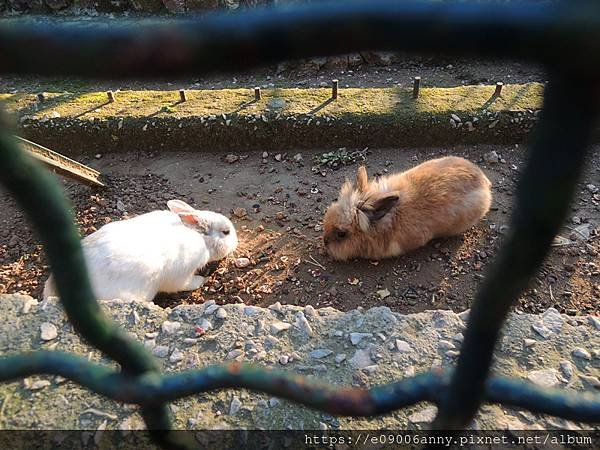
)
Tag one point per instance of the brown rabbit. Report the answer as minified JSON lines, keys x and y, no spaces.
{"x":398,"y":213}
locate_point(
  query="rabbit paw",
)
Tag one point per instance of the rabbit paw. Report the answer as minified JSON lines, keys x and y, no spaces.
{"x":194,"y":283}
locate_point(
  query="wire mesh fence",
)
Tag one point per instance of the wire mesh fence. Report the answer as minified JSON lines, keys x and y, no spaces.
{"x":564,"y":37}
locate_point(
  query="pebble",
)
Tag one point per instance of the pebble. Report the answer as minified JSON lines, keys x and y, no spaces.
{"x":383,"y":293}
{"x":176,"y":356}
{"x":235,"y":406}
{"x":283,"y":360}
{"x":210,"y":309}
{"x":273,"y":401}
{"x":221,"y":314}
{"x":592,"y":188}
{"x":426,"y":415}
{"x":278,"y":327}
{"x":35,"y":385}
{"x":309,"y":311}
{"x":567,"y":369}
{"x":355,"y":338}
{"x":446,"y":345}
{"x":303,"y":325}
{"x":361,"y":359}
{"x":235,"y":353}
{"x":190,"y":341}
{"x":370,"y":370}
{"x":160,"y":351}
{"x":529,"y":342}
{"x":592,"y":381}
{"x":170,"y":327}
{"x":595,"y":322}
{"x":581,"y":353}
{"x":403,"y":346}
{"x":241,"y":263}
{"x":491,"y":157}
{"x":48,"y":331}
{"x":320,"y":353}
{"x":323,"y":426}
{"x":544,"y":377}
{"x":340,"y":358}
{"x":205,"y":324}
{"x":542,"y":330}
{"x":231,"y":158}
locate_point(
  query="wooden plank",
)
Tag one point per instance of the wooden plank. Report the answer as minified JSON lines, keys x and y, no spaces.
{"x":61,"y":164}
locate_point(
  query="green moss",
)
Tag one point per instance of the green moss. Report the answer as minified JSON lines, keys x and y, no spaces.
{"x":352,"y":102}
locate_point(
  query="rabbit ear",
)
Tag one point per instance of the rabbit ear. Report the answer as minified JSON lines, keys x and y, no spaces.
{"x":377,"y":208}
{"x":178,"y":207}
{"x":362,"y":179}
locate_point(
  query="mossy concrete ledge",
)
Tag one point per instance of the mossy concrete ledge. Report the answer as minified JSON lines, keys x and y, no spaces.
{"x":358,"y":347}
{"x":231,"y":119}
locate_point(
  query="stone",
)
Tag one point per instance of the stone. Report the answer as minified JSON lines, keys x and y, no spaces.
{"x":355,"y":338}
{"x":273,"y":401}
{"x":176,"y":356}
{"x":590,"y":380}
{"x":491,"y":157}
{"x":283,"y":360}
{"x":552,"y":319}
{"x":210,"y":309}
{"x":48,"y":331}
{"x":423,"y":416}
{"x":581,"y":353}
{"x":241,"y":263}
{"x":221,"y":314}
{"x":446,"y":345}
{"x":544,"y":377}
{"x":303,"y":325}
{"x":35,"y":385}
{"x":160,"y":351}
{"x":370,"y":370}
{"x":231,"y":158}
{"x":528,"y":343}
{"x":235,"y":353}
{"x":594,"y":321}
{"x":170,"y":327}
{"x":361,"y":359}
{"x":383,"y":293}
{"x":340,"y":358}
{"x":542,"y":330}
{"x":278,"y":327}
{"x":403,"y":346}
{"x":309,"y":311}
{"x":235,"y":406}
{"x":567,"y":369}
{"x":320,"y":353}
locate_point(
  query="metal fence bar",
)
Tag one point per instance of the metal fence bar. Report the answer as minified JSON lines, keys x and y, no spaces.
{"x":558,"y":33}
{"x":543,"y":196}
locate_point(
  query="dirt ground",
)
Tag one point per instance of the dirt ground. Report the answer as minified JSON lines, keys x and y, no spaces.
{"x":277,"y":202}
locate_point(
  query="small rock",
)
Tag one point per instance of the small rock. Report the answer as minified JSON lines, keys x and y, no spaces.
{"x":176,"y":356}
{"x":235,"y":353}
{"x":283,"y":360}
{"x":592,"y":188}
{"x":542,"y":330}
{"x":491,"y":157}
{"x":323,"y":426}
{"x":273,"y":402}
{"x":240,"y":212}
{"x":298,"y":157}
{"x":205,"y":325}
{"x":309,"y":311}
{"x":170,"y":327}
{"x":361,"y":359}
{"x":278,"y":327}
{"x":592,"y":381}
{"x":426,"y":415}
{"x":455,"y":118}
{"x":235,"y":406}
{"x":544,"y":377}
{"x":340,"y":358}
{"x":594,"y":321}
{"x":446,"y":345}
{"x":320,"y":353}
{"x":529,"y":342}
{"x":567,"y":369}
{"x":370,"y":370}
{"x":231,"y":158}
{"x":403,"y":346}
{"x":35,"y":385}
{"x":160,"y":351}
{"x":221,"y":314}
{"x":303,"y":325}
{"x":48,"y":331}
{"x":581,"y":353}
{"x":383,"y":293}
{"x":355,"y":338}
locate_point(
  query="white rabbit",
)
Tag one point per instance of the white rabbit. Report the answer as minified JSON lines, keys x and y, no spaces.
{"x":160,"y":251}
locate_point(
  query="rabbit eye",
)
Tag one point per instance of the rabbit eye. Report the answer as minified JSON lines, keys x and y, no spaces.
{"x":341,"y":234}
{"x":226,"y":232}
